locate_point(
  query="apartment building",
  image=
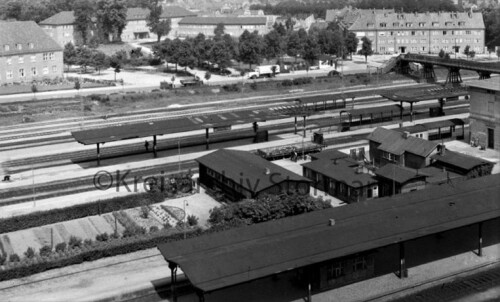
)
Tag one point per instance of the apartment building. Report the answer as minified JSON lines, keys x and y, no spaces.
{"x":234,"y":26}
{"x":27,"y":53}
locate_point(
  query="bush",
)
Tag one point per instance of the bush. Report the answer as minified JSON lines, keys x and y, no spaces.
{"x":192,"y":220}
{"x":232,"y":88}
{"x":3,"y":258}
{"x":102,"y":237}
{"x":167,"y":225}
{"x":145,"y":212}
{"x":30,"y":253}
{"x":61,"y":247}
{"x":253,"y":85}
{"x":153,"y":229}
{"x":87,"y":242}
{"x":302,"y":81}
{"x":287,"y":82}
{"x":74,"y":242}
{"x":14,"y":258}
{"x":45,"y":251}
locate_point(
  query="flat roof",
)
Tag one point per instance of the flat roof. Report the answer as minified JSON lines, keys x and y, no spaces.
{"x":183,"y":124}
{"x":251,"y":171}
{"x":218,"y":260}
{"x":433,"y":125}
{"x":490,"y":84}
{"x":330,"y":154}
{"x":460,"y":160}
{"x":412,"y":95}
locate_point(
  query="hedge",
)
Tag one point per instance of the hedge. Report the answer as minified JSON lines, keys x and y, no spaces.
{"x":100,"y":250}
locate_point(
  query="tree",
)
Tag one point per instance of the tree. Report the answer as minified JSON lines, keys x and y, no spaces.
{"x":116,"y":64}
{"x":84,"y":56}
{"x":467,"y":50}
{"x":351,"y":43}
{"x":311,"y":50}
{"x":366,"y":48}
{"x":84,"y":11}
{"x":208,"y":75}
{"x":250,"y":46}
{"x":274,"y":44}
{"x":289,"y":24}
{"x":77,"y":86}
{"x":99,"y":60}
{"x":34,"y":89}
{"x":111,"y":18}
{"x":219,"y":30}
{"x":294,"y":45}
{"x":155,"y":23}
{"x":30,"y":253}
{"x":184,"y":54}
{"x":69,"y":54}
{"x":220,"y":54}
{"x":441,"y":53}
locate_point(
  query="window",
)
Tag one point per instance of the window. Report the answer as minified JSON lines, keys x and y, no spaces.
{"x":46,"y":71}
{"x":395,"y":24}
{"x":461,"y":23}
{"x":20,"y":60}
{"x":19,"y":46}
{"x":9,"y":61}
{"x":335,"y":271}
{"x":435,"y":24}
{"x":51,"y":56}
{"x":45,"y":56}
{"x":6,"y":47}
{"x":21,"y":73}
{"x":370,"y":25}
{"x":383,"y":24}
{"x":448,"y":23}
{"x":359,"y":264}
{"x":31,"y":45}
{"x":409,"y":24}
{"x":382,"y":49}
{"x":9,"y":74}
{"x":33,"y":58}
{"x":33,"y":71}
{"x":54,"y":69}
{"x":467,"y":32}
{"x":412,"y":32}
{"x":421,"y":24}
{"x":444,"y":32}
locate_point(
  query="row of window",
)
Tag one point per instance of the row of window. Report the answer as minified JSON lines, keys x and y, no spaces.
{"x":410,"y":24}
{"x":423,"y":33}
{"x":337,"y":270}
{"x":425,"y":41}
{"x":18,"y":46}
{"x":34,"y":72}
{"x":48,"y":56}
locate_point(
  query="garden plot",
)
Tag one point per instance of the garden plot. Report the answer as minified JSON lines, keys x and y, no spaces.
{"x":140,"y":218}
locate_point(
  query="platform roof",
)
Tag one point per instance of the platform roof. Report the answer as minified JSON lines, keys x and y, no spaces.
{"x":183,"y":124}
{"x":412,"y":95}
{"x":219,"y":260}
{"x":374,"y":110}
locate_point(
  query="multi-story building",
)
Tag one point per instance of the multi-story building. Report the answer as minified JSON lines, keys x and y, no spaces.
{"x":485,"y":113}
{"x":393,"y":32}
{"x":27,"y":53}
{"x":234,"y":26}
{"x":61,"y":25}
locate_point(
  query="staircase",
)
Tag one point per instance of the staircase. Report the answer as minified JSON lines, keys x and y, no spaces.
{"x":389,"y":65}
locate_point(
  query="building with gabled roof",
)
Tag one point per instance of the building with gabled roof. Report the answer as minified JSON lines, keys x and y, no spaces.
{"x":395,"y":32}
{"x":240,"y":174}
{"x":394,"y":179}
{"x":390,"y":146}
{"x":466,"y":165}
{"x":27,"y":53}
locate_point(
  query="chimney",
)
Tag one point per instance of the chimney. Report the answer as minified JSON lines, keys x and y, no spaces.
{"x":442,"y":150}
{"x":331,"y":222}
{"x":268,"y":171}
{"x":406,"y":134}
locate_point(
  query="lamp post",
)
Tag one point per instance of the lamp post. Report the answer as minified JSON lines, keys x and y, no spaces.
{"x":185,"y":216}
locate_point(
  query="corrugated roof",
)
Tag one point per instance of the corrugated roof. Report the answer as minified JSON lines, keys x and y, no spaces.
{"x":248,"y":169}
{"x":61,"y":18}
{"x":24,"y":33}
{"x":394,"y":142}
{"x":223,"y":20}
{"x":460,"y":160}
{"x":342,"y":171}
{"x":399,"y":174}
{"x":448,"y":20}
{"x":136,"y":130}
{"x":223,"y":259}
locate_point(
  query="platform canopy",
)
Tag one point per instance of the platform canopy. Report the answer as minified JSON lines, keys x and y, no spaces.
{"x":413,"y":95}
{"x":168,"y":126}
{"x":218,"y":260}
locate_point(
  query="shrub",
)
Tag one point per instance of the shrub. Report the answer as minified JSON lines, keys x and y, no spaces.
{"x":3,"y":258}
{"x":145,"y":212}
{"x":74,"y":242}
{"x":253,"y":86}
{"x":61,"y":247}
{"x":87,"y":242}
{"x":232,"y":88}
{"x":167,"y":225}
{"x":102,"y":237}
{"x":30,"y":253}
{"x":192,"y":220}
{"x":14,"y":258}
{"x":287,"y":82}
{"x":153,"y":229}
{"x":45,"y":251}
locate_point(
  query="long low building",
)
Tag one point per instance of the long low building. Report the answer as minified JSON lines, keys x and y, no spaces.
{"x":234,"y":26}
{"x":333,"y":247}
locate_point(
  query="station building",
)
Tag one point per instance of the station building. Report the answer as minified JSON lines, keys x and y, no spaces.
{"x":484,"y":117}
{"x":394,"y":32}
{"x":240,"y":174}
{"x":28,"y":54}
{"x":309,"y":253}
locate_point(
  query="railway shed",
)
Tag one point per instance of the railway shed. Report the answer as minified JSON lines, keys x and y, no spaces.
{"x":438,"y":130}
{"x":216,"y":121}
{"x":415,"y":95}
{"x":395,"y":228}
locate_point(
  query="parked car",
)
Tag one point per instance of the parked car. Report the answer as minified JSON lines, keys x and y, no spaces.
{"x":334,"y":73}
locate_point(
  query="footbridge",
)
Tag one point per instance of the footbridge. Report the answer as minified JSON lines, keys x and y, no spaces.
{"x":484,"y":69}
